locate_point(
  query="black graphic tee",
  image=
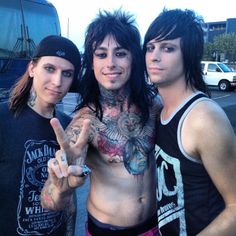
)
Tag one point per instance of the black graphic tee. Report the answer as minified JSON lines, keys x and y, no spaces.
{"x":26,"y":144}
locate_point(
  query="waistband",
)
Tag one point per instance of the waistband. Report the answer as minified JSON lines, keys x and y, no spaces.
{"x":96,"y":230}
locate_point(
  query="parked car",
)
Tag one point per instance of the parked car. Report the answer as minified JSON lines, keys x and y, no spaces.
{"x":219,"y":74}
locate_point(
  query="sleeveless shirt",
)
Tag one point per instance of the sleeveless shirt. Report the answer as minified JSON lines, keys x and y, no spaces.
{"x":187,"y":198}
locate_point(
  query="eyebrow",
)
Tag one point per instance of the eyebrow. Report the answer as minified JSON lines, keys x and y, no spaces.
{"x":50,"y":64}
{"x":105,"y":48}
{"x":170,"y":44}
{"x":163,"y":42}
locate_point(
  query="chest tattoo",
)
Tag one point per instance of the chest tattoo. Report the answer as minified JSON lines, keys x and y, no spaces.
{"x":124,"y":139}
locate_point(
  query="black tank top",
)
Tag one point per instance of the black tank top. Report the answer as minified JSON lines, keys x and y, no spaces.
{"x":187,"y":199}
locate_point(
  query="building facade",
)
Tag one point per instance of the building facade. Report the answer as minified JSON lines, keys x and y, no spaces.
{"x":219,"y":27}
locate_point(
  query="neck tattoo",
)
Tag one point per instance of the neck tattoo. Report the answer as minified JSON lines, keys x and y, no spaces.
{"x":32,"y":98}
{"x":113,"y":98}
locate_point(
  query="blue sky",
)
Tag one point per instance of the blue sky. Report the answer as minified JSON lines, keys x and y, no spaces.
{"x":75,"y":15}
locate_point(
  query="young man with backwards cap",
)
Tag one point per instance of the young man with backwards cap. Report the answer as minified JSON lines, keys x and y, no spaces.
{"x":27,"y":140}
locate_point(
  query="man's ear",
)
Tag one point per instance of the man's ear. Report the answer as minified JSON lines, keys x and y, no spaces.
{"x":31,"y":69}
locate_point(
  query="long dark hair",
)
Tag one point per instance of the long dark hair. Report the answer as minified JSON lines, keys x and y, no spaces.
{"x":187,"y":26}
{"x":121,"y":26}
{"x":20,"y":91}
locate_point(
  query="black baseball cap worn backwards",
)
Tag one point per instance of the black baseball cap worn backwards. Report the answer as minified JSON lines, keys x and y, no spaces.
{"x":58,"y":46}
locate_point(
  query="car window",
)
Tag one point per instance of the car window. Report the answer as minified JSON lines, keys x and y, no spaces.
{"x":212,"y":68}
{"x":224,"y":67}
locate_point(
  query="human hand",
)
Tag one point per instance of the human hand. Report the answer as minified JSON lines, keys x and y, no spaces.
{"x":67,"y":168}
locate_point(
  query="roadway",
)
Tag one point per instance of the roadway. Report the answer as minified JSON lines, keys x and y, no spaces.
{"x":227,"y":100}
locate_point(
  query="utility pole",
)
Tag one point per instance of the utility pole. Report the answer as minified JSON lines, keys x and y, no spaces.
{"x":24,"y":35}
{"x":68,"y":27}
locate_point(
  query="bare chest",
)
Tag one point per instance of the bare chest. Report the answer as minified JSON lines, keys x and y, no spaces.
{"x":124,"y":139}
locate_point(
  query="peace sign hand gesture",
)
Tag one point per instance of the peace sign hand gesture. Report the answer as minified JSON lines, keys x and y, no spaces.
{"x":67,"y":169}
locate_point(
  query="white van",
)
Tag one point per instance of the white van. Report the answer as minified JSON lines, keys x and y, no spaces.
{"x":218,"y":74}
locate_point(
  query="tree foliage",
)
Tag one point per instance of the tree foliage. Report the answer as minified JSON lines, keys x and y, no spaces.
{"x":222,"y":44}
{"x":209,"y":52}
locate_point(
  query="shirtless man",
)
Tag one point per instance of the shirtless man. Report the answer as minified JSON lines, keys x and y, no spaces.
{"x":196,"y":146}
{"x":122,"y":110}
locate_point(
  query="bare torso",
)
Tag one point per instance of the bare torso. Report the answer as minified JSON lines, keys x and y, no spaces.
{"x":122,"y":182}
{"x":119,"y":198}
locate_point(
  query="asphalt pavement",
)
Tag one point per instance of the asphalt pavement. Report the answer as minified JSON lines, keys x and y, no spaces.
{"x":81,"y":217}
{"x":231,"y":113}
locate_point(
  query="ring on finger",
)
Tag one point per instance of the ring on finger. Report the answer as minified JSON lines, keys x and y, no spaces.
{"x":85,"y":171}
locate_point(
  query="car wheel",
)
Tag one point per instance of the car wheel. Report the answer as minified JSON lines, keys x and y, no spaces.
{"x":224,"y":85}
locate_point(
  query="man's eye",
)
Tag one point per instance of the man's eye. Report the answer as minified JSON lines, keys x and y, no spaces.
{"x":100,"y":55}
{"x":67,"y":74}
{"x":49,"y":69}
{"x":121,"y":54}
{"x":168,"y":49}
{"x":149,"y":48}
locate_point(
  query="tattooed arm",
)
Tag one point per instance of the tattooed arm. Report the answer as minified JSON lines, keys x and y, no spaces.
{"x":65,"y":174}
{"x":70,"y":218}
{"x":54,"y":197}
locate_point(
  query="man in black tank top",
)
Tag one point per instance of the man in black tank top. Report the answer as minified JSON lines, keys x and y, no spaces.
{"x":195,"y":146}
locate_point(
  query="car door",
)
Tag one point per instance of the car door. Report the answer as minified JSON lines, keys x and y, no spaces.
{"x":212,"y":74}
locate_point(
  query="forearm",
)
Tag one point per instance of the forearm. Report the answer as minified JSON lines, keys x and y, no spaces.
{"x":70,"y":214}
{"x":224,"y":224}
{"x":70,"y":225}
{"x":53,"y":199}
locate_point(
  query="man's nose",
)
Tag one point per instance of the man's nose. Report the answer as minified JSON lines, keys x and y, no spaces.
{"x":57,"y":78}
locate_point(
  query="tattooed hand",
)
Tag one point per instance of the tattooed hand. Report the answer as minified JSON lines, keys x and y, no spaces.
{"x":65,"y":171}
